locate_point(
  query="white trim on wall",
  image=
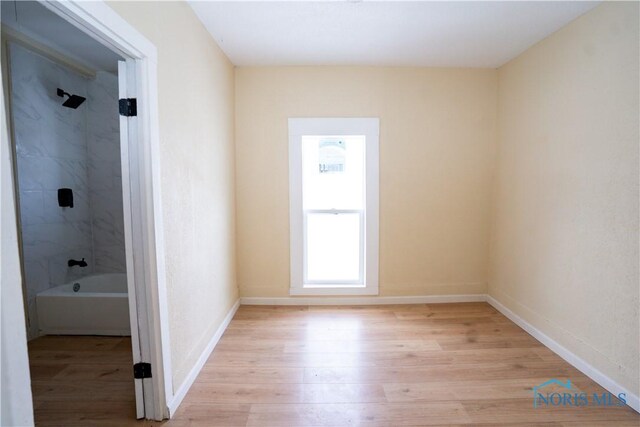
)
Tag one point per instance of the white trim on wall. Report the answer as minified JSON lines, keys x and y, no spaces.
{"x":23,"y":38}
{"x":583,"y":366}
{"x":182,"y":390}
{"x":366,"y":300}
{"x":103,"y":24}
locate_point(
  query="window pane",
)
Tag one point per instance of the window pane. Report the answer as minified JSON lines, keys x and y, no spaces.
{"x":333,"y":247}
{"x":333,"y":172}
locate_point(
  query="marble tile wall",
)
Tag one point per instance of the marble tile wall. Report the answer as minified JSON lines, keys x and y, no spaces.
{"x":105,"y":177}
{"x":57,"y":147}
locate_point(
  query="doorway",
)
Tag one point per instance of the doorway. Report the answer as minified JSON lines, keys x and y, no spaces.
{"x":77,"y":177}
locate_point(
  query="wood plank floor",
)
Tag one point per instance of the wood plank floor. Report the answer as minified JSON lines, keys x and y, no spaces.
{"x":404,"y":365}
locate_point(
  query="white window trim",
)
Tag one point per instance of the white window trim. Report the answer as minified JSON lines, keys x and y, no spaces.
{"x":299,"y":127}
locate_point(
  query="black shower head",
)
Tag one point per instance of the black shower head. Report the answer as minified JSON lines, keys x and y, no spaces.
{"x":74,"y":101}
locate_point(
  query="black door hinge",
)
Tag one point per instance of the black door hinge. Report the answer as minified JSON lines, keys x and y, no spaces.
{"x":128,"y":107}
{"x":142,"y":370}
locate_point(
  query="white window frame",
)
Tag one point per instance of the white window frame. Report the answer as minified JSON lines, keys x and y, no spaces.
{"x":299,"y":127}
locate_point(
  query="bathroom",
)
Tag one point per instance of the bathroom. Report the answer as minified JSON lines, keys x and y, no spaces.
{"x":66,"y":136}
{"x":63,"y":89}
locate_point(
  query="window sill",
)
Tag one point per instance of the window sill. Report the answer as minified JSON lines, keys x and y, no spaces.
{"x":329,"y":290}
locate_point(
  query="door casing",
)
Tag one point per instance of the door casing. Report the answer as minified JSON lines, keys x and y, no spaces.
{"x":142,"y":209}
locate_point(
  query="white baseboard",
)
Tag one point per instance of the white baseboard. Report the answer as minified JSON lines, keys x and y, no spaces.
{"x":430,"y":299}
{"x":181,"y":392}
{"x":98,"y":332}
{"x":613,"y":387}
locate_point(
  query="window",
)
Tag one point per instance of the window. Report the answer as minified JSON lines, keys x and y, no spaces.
{"x":333,"y":184}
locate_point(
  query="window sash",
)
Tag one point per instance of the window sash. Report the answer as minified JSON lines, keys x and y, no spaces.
{"x":360,"y":282}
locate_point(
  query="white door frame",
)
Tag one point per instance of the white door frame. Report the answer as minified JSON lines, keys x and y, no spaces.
{"x":103,"y":24}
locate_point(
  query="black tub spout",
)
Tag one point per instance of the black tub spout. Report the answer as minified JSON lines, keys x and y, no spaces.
{"x":73,"y":262}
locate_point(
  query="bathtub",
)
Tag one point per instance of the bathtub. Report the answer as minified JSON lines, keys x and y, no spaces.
{"x":100,"y":306}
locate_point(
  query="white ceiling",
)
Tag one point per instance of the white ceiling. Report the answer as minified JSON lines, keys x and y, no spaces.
{"x":45,"y":27}
{"x":437,"y":34}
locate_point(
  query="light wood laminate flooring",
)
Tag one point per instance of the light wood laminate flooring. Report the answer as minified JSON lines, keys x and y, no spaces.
{"x":392,"y":365}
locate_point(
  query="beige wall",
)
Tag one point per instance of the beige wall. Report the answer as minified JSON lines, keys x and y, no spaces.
{"x":437,"y":135}
{"x":565,"y":233}
{"x":196,"y":97}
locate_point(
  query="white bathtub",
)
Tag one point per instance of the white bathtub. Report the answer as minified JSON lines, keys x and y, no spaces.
{"x":99,"y":307}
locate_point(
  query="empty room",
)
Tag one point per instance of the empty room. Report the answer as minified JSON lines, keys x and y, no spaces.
{"x":320,"y":213}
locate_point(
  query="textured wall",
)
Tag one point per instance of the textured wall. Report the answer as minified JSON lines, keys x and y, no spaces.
{"x":195,"y":88}
{"x":437,"y":136}
{"x":565,"y":233}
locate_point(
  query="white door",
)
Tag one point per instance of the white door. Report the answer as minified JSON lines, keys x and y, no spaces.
{"x":129,"y":155}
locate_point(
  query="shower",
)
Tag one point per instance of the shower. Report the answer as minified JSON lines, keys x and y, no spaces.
{"x":74,"y":101}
